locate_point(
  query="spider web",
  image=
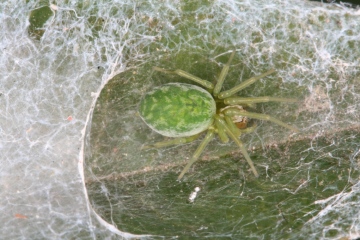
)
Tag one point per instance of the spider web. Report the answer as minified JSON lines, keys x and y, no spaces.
{"x":71,"y":137}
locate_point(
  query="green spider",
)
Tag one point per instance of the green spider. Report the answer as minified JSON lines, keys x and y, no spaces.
{"x":184,"y":111}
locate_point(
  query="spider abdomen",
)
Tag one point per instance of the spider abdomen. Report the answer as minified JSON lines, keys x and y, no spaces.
{"x":178,"y":109}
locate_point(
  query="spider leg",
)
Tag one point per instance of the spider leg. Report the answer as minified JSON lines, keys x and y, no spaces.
{"x":208,"y":137}
{"x":187,"y":75}
{"x":249,"y":129}
{"x":232,"y":126}
{"x":221,"y":132}
{"x":223,"y":124}
{"x":172,"y":141}
{"x":252,"y":100}
{"x":260,"y":116}
{"x":243,"y":85}
{"x":222,"y":75}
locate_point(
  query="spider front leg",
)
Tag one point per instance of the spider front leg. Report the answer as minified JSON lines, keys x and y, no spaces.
{"x":260,"y":116}
{"x":252,"y":100}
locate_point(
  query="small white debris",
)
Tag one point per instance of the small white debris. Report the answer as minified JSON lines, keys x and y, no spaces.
{"x":193,"y":194}
{"x":53,"y":7}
